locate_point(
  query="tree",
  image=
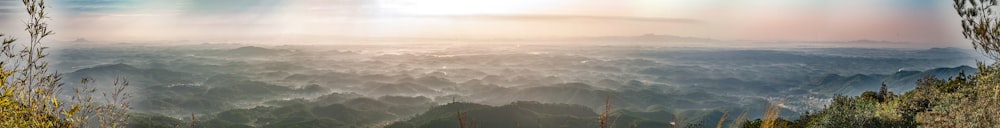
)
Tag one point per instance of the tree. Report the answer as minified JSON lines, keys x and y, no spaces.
{"x":884,"y":94}
{"x":869,"y":95}
{"x":980,"y":25}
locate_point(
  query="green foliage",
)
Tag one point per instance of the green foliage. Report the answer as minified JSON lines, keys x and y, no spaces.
{"x":860,"y":112}
{"x":869,"y":95}
{"x":962,"y":101}
{"x":30,"y":91}
{"x":758,"y":123}
{"x":971,"y":104}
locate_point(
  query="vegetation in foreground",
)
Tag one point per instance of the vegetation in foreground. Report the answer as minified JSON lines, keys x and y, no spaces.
{"x":30,"y":93}
{"x":962,"y":101}
{"x":29,"y":97}
{"x":958,"y":102}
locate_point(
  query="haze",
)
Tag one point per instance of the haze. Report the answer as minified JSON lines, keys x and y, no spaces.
{"x":508,"y":63}
{"x":927,"y":22}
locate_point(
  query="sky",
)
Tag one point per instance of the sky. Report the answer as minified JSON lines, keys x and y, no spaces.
{"x":767,"y":20}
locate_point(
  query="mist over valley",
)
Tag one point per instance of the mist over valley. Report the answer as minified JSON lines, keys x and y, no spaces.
{"x":419,"y":85}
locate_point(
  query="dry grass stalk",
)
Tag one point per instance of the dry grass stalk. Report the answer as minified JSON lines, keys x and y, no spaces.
{"x":721,"y":120}
{"x":772,"y":115}
{"x":739,"y":120}
{"x":607,"y":113}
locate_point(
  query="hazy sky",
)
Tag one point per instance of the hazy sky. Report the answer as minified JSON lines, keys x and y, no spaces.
{"x":895,"y":20}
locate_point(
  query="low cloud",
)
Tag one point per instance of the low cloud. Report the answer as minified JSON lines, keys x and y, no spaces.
{"x":563,"y":17}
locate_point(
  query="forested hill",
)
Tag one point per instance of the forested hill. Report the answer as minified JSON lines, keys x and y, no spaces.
{"x":963,"y":100}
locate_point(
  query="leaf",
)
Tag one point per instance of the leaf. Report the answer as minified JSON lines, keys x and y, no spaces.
{"x":73,"y":110}
{"x":55,"y":102}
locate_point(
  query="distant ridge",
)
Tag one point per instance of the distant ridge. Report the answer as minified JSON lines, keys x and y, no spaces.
{"x":650,"y":37}
{"x":901,"y":81}
{"x":106,"y":73}
{"x":248,"y":51}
